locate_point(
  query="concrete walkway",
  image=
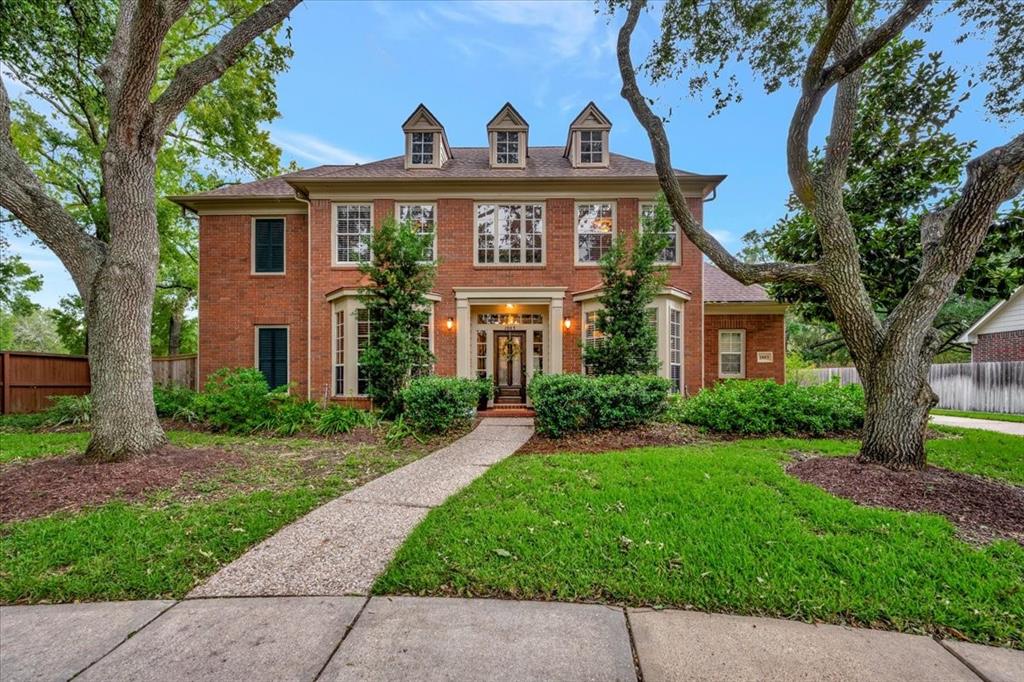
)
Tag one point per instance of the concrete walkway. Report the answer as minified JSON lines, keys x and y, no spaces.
{"x":411,"y":638}
{"x":341,"y":547}
{"x":1012,"y":428}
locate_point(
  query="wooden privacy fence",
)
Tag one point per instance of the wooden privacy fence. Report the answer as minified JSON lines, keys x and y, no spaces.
{"x":27,"y":380}
{"x":979,"y":386}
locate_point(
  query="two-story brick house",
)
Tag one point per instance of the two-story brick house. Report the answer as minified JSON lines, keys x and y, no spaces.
{"x":518,"y":233}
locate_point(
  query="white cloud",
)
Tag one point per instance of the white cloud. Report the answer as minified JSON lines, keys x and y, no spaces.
{"x":567,"y":26}
{"x":312,"y":148}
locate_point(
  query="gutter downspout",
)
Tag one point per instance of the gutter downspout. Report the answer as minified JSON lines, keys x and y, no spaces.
{"x":309,"y":294}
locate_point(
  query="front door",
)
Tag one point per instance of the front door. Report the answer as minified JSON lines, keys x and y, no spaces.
{"x":510,"y":366}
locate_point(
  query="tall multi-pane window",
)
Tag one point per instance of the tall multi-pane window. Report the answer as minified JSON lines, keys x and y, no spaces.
{"x":362,"y":343}
{"x":675,"y":351}
{"x":422,"y":216}
{"x":538,"y":352}
{"x":730,"y":353}
{"x":339,"y":352}
{"x":591,"y":146}
{"x":591,"y":334}
{"x":670,"y":253}
{"x":481,"y":354}
{"x":510,"y":233}
{"x":354,"y":227}
{"x":424,"y":338}
{"x":506,"y":149}
{"x":422,"y":151}
{"x":595,"y":230}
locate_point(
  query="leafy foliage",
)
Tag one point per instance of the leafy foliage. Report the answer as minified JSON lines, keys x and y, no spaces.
{"x":628,"y":341}
{"x":176,"y":402}
{"x":566,"y":403}
{"x":398,"y":308}
{"x":337,"y":419}
{"x":437,"y":404}
{"x":70,"y":410}
{"x":17,"y":281}
{"x":237,"y":400}
{"x":69,"y":316}
{"x":765,"y":407}
{"x":292,"y":415}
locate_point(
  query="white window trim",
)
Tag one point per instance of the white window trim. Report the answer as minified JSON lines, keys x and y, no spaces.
{"x":520,"y":154}
{"x":288,"y":340}
{"x":640,"y":227}
{"x":515,"y":202}
{"x":252,"y":246}
{"x":398,"y":215}
{"x":603,"y":163}
{"x":433,"y":149}
{"x":743,"y":354}
{"x":348,"y":306}
{"x":576,"y":228}
{"x":335,"y":263}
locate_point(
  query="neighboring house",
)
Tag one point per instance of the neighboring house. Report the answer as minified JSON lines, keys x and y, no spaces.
{"x":999,"y":335}
{"x":518,"y":233}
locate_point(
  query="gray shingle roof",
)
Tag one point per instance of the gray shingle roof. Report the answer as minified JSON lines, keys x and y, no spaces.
{"x":721,"y":288}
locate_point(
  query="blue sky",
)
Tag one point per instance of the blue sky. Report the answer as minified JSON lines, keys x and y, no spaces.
{"x":360,"y":68}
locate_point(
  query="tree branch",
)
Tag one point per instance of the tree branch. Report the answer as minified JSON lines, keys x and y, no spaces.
{"x":22,"y":194}
{"x":746,"y":273}
{"x":194,"y":76}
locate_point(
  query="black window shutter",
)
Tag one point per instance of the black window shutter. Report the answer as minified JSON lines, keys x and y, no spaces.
{"x":269,"y":245}
{"x":273,"y":359}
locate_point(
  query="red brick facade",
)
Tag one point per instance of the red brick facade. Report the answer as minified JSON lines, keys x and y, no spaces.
{"x":765,"y":333}
{"x":999,"y":347}
{"x":233,"y":302}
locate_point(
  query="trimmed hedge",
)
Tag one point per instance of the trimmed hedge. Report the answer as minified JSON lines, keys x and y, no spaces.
{"x":434,"y":404}
{"x":764,"y":407}
{"x":566,"y":403}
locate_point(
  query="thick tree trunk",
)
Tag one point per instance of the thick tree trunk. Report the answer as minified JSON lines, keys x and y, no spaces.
{"x":896,"y":419}
{"x":119,"y":313}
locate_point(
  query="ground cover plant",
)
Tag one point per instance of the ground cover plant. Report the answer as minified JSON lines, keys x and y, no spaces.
{"x":760,"y":407}
{"x":130,"y":541}
{"x":715,"y":527}
{"x":970,"y":414}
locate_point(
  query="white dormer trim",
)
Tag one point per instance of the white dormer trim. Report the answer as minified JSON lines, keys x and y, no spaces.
{"x":508,"y":122}
{"x":422,"y":122}
{"x":592,"y":121}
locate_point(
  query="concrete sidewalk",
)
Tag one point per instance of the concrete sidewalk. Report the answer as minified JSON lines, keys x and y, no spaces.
{"x":1011,"y":428}
{"x":341,"y":547}
{"x":410,"y":638}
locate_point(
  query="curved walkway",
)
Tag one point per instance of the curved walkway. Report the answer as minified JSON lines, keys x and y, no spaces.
{"x":413,"y":638}
{"x":341,"y":547}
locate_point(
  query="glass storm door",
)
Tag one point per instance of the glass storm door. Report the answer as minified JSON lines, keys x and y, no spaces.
{"x":510,"y":363}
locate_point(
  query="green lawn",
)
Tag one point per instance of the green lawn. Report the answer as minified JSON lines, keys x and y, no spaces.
{"x":984,"y":453}
{"x":718,"y":527}
{"x":997,"y":416}
{"x":163,"y":546}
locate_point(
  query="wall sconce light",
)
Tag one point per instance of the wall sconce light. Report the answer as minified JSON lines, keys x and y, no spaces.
{"x":567,"y":323}
{"x":450,"y":323}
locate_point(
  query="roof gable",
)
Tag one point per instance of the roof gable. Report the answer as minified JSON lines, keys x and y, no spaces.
{"x":507,"y":118}
{"x":1014,"y":304}
{"x":591,"y":118}
{"x":421,"y":119}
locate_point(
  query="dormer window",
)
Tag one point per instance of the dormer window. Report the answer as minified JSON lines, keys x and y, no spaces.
{"x":507,"y":148}
{"x":422,"y":149}
{"x":591,"y":147}
{"x":425,"y":143}
{"x":587,"y":144}
{"x":507,"y":135}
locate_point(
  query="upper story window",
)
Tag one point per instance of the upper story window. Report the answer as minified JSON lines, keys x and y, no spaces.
{"x":595,"y":231}
{"x":670,"y":254}
{"x":422,"y":152}
{"x":506,"y":148}
{"x":591,"y":147}
{"x":353,"y":231}
{"x":509,"y":234}
{"x":422,"y":216}
{"x":268,"y":246}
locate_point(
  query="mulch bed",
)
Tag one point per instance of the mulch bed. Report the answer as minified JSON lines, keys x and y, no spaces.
{"x":651,"y":435}
{"x":982,"y":509}
{"x":40,"y":487}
